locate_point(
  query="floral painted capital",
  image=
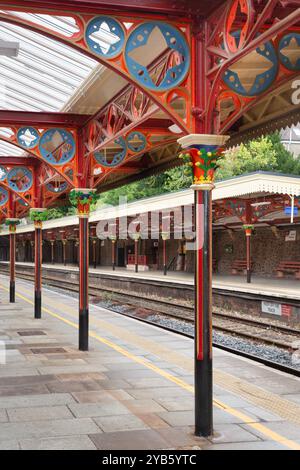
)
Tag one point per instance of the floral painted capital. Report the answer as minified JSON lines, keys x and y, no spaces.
{"x":82,"y":199}
{"x":12,"y":223}
{"x":248,"y":229}
{"x":200,"y":154}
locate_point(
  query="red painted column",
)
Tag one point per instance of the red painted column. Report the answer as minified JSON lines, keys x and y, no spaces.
{"x":248,"y":232}
{"x":83,"y":198}
{"x":165,"y":267}
{"x":83,"y":283}
{"x":38,"y":270}
{"x":12,"y":224}
{"x":200,"y":156}
{"x":136,"y":253}
{"x":38,"y":215}
{"x":113,"y":253}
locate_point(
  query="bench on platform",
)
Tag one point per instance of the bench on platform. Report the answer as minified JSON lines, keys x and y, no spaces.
{"x":239,"y":265}
{"x":289,"y":267}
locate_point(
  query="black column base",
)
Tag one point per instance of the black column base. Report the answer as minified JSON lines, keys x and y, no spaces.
{"x":248,"y":276}
{"x":136,"y":268}
{"x":37,"y":305}
{"x":203,"y":398}
{"x":114,"y":267}
{"x":12,"y":290}
{"x":165,"y":270}
{"x":84,"y":329}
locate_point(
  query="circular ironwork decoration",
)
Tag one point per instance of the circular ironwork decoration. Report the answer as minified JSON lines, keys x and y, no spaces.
{"x":3,"y":173}
{"x":242,"y":82}
{"x":28,"y":137}
{"x":20,"y":179}
{"x":3,"y":196}
{"x":136,"y":141}
{"x":146,"y":36}
{"x":105,"y":36}
{"x":57,"y":187}
{"x":289,"y":51}
{"x":113,"y":156}
{"x":57,"y":146}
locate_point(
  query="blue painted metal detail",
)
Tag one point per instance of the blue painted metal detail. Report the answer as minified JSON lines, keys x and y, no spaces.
{"x":3,"y":173}
{"x":105,"y":36}
{"x":106,"y":159}
{"x":20,"y":179}
{"x":136,"y":141}
{"x":57,"y":146}
{"x":28,"y":137}
{"x":22,"y":202}
{"x":262,"y":80}
{"x":288,"y":210}
{"x":3,"y":196}
{"x":146,"y":35}
{"x":206,"y":148}
{"x":57,"y":189}
{"x":291,"y":62}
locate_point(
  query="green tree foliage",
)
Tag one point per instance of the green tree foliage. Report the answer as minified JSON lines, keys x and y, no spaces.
{"x":57,"y":212}
{"x":264,"y":154}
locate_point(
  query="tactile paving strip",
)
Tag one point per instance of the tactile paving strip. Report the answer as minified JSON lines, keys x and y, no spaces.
{"x":260,"y":397}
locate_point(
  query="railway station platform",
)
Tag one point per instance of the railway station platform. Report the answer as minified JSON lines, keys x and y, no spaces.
{"x":282,"y":287}
{"x":132,"y":390}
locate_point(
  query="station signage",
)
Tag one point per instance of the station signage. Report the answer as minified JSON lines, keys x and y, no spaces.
{"x":274,"y":308}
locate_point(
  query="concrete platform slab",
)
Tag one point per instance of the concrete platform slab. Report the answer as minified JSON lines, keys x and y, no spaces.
{"x":131,"y":390}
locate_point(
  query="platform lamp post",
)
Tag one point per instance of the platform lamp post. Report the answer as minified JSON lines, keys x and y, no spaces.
{"x":38,"y":216}
{"x":82,"y":198}
{"x":165,"y":237}
{"x":12,"y":225}
{"x":200,"y":154}
{"x":248,"y":232}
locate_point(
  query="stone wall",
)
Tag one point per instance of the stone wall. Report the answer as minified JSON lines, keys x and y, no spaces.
{"x":267,"y":249}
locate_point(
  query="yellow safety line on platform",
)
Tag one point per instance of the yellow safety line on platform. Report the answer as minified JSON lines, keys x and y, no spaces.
{"x":245,"y":418}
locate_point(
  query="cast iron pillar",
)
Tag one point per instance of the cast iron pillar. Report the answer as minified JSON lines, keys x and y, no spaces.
{"x":82,"y":199}
{"x":136,"y":252}
{"x":200,"y":155}
{"x":12,"y":223}
{"x":38,"y":215}
{"x":164,"y":240}
{"x":52,"y":242}
{"x":248,"y":231}
{"x":64,"y":245}
{"x":113,"y":253}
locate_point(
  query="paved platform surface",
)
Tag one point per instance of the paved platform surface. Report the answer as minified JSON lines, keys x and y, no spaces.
{"x":283,"y":287}
{"x":132,"y":390}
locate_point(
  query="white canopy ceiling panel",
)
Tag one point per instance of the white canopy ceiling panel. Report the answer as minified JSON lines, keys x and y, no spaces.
{"x":9,"y":150}
{"x":46,"y":73}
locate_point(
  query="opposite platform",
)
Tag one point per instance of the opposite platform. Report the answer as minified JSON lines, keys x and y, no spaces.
{"x":132,"y":390}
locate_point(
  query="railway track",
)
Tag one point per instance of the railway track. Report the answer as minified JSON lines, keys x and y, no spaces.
{"x":240,"y":326}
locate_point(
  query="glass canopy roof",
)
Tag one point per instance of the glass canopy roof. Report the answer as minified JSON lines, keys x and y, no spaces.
{"x":46,"y":73}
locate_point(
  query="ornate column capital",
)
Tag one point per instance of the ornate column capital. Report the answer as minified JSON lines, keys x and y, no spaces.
{"x":38,"y":215}
{"x":82,"y":199}
{"x":248,"y":229}
{"x":201,"y":153}
{"x":12,"y":223}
